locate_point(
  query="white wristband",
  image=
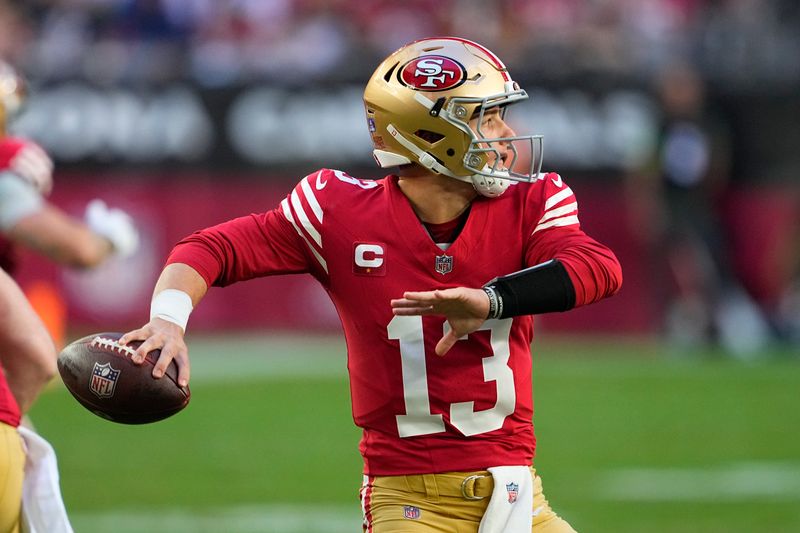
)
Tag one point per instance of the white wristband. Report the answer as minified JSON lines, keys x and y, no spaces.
{"x":173,"y":306}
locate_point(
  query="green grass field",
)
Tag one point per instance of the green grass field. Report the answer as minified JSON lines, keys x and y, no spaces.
{"x":630,"y":440}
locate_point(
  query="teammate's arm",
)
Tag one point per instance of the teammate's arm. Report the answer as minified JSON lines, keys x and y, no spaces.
{"x":28,"y":219}
{"x":26,"y":351}
{"x":61,"y":238}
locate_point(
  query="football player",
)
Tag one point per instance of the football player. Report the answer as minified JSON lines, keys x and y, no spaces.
{"x":435,"y":271}
{"x":27,"y":219}
{"x":28,"y":363}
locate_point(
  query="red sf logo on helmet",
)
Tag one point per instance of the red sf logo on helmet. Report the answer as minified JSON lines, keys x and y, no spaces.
{"x":432,"y":73}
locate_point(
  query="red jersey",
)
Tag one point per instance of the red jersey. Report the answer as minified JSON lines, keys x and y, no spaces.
{"x":9,"y":410}
{"x":420,"y":413}
{"x":10,"y":148}
{"x":30,"y":163}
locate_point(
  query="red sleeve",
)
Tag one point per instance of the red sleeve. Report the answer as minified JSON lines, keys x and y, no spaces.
{"x":34,"y":158}
{"x":593,"y":268}
{"x":243,"y":248}
{"x":9,"y":146}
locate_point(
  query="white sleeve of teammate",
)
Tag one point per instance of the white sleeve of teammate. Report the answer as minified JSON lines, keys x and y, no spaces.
{"x":18,"y":199}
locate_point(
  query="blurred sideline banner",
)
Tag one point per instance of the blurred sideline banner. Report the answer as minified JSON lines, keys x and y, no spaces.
{"x":263,"y":125}
{"x":589,"y":125}
{"x":167,"y":208}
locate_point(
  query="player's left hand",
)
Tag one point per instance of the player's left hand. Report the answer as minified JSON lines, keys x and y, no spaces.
{"x":465,"y":310}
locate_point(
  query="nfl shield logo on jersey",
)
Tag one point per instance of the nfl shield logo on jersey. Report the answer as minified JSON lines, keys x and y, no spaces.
{"x":411,"y":512}
{"x":444,"y":264}
{"x":104,"y":379}
{"x":513,"y":492}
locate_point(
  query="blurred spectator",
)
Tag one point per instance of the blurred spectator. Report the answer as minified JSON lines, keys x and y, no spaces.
{"x":677,"y":208}
{"x":229,"y":41}
{"x":28,"y":220}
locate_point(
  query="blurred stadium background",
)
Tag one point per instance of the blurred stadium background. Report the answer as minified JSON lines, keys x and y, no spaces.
{"x":189,"y":112}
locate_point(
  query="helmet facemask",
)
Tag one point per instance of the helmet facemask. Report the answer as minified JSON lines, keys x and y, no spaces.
{"x":490,"y":173}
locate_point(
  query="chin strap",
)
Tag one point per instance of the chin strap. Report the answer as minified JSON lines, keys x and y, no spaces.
{"x":489,"y":187}
{"x":486,"y":186}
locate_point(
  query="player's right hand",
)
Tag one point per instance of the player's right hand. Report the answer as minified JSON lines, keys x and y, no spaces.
{"x":166,"y":336}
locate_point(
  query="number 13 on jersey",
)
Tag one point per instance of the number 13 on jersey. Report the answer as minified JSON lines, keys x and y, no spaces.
{"x":419,"y":420}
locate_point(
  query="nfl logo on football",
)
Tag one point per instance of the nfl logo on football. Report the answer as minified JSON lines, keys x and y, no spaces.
{"x":104,"y":379}
{"x":411,"y":512}
{"x":444,"y":264}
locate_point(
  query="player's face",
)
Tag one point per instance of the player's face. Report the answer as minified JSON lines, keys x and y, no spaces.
{"x":492,"y":126}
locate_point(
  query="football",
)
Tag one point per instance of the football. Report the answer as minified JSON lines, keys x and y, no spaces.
{"x":99,"y":373}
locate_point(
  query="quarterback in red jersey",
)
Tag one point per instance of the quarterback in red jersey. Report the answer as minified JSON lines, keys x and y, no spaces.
{"x":435,"y":271}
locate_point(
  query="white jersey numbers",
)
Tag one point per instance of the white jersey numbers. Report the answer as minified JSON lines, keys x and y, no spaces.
{"x":418,"y":419}
{"x":364,"y":184}
{"x":495,"y":368}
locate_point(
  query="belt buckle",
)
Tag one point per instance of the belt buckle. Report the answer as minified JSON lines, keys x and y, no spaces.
{"x":464,"y":483}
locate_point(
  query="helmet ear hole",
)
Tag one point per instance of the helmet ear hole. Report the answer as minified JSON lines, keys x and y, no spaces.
{"x":451,"y":152}
{"x":430,"y":137}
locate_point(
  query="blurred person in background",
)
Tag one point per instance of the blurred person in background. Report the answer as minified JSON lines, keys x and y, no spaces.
{"x":441,"y":379}
{"x":677,"y":208}
{"x":27,"y":364}
{"x":28,"y":219}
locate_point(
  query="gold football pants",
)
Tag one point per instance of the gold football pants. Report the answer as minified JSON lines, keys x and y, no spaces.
{"x":12,"y":468}
{"x":452,"y":502}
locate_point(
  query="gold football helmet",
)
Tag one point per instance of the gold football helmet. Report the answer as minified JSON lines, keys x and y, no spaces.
{"x":12,"y":94}
{"x":419,"y":105}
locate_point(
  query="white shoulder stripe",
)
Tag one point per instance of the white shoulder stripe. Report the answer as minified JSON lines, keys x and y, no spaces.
{"x":557,"y":197}
{"x":287,"y":212}
{"x":312,"y":200}
{"x":558,"y":222}
{"x":559,"y":212}
{"x":301,"y":214}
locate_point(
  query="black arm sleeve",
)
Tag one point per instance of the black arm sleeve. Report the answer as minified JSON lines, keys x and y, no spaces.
{"x":542,"y":288}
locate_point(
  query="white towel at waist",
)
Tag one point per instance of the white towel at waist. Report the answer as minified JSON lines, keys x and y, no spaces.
{"x":511,"y":503}
{"x":43,"y":509}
